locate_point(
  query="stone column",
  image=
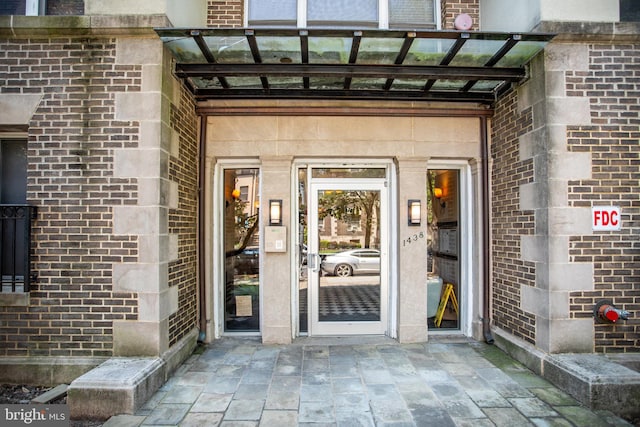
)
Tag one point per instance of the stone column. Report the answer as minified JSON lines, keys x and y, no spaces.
{"x":547,"y":197}
{"x":276,"y":266}
{"x":148,"y":218}
{"x":412,"y":258}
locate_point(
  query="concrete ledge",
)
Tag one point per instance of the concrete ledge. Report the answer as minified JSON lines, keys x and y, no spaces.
{"x":596,"y":382}
{"x":520,"y":350}
{"x":123,"y":385}
{"x":592,"y":379}
{"x":118,"y":386}
{"x":176,"y":355}
{"x":45,"y":371}
{"x":630,"y":360}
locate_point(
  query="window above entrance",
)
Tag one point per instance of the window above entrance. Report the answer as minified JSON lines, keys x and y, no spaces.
{"x":419,"y":14}
{"x":346,"y":64}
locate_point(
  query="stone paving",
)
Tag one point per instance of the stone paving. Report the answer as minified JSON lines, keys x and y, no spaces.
{"x":359,"y":382}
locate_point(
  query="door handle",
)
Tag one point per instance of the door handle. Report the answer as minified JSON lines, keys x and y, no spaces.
{"x":314,"y":265}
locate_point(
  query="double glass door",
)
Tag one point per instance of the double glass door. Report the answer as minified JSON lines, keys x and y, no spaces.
{"x":347,"y":256}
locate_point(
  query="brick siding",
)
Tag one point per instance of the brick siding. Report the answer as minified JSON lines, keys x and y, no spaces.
{"x":225,"y":13}
{"x":452,"y":8}
{"x":183,"y":221}
{"x":65,"y":7}
{"x":72,"y":136}
{"x":510,"y":273}
{"x":611,"y":84}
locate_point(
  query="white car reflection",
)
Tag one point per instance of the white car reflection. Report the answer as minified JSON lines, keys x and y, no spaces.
{"x":352,"y":262}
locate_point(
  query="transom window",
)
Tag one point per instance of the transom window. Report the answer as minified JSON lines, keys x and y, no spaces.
{"x":415,"y":14}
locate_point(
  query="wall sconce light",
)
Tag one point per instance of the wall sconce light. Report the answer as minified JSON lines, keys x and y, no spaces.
{"x":437,"y":193}
{"x":275,"y":212}
{"x":414,"y":212}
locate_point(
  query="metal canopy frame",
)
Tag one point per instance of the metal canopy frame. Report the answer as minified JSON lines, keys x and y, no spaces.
{"x":241,"y":63}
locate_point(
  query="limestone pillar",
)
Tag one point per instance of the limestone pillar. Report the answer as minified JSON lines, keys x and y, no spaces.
{"x":412,"y":271}
{"x":547,"y":197}
{"x":276,"y":266}
{"x":147,"y":219}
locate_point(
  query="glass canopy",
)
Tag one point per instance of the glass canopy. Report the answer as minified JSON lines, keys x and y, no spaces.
{"x":242,"y":63}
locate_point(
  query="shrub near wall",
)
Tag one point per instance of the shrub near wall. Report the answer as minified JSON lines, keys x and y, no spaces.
{"x":613,"y":140}
{"x":72,"y":136}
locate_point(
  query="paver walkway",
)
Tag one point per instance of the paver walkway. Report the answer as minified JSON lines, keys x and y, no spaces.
{"x":359,"y":382}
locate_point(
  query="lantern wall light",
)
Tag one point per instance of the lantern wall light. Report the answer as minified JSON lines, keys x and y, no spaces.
{"x":275,"y":212}
{"x":437,"y":193}
{"x":414,"y":211}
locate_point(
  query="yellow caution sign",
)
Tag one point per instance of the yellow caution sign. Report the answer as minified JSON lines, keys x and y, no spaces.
{"x":448,"y":296}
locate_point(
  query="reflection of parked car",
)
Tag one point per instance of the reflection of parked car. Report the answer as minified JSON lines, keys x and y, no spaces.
{"x":354,"y":261}
{"x":247,"y":261}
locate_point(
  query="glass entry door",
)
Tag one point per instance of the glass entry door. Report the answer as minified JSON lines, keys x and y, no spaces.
{"x":347,"y":257}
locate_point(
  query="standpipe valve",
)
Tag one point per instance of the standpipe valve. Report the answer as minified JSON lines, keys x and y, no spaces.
{"x":606,"y":312}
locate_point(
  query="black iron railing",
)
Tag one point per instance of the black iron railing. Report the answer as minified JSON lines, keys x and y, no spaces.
{"x":15,"y":247}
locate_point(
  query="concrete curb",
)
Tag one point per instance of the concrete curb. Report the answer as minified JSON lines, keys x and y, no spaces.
{"x":122,"y":385}
{"x":592,"y":379}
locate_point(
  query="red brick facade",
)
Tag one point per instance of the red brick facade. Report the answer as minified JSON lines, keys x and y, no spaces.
{"x":611,"y":140}
{"x":452,"y":8}
{"x":611,"y":84}
{"x":183,"y":169}
{"x":225,"y":13}
{"x":508,"y":222}
{"x":72,"y":136}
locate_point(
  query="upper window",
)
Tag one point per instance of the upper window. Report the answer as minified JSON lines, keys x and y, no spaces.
{"x":344,"y":13}
{"x":13,"y":172}
{"x":41,"y":7}
{"x":629,"y":11}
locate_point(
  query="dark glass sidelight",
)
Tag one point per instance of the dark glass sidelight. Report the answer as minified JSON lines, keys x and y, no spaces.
{"x":242,"y":250}
{"x":15,"y":218}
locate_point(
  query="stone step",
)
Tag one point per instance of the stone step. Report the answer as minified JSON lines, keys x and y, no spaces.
{"x":53,"y":394}
{"x":118,"y":386}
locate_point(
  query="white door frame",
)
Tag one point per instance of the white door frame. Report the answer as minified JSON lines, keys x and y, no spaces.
{"x":390,"y":298}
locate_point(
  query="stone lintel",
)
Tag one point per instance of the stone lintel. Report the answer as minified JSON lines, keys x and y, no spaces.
{"x":17,"y":109}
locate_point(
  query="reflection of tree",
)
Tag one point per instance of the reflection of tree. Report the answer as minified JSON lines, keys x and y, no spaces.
{"x":244,"y":227}
{"x":351,"y":206}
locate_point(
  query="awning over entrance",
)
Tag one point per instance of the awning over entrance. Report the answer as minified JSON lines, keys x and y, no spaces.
{"x":345,"y":64}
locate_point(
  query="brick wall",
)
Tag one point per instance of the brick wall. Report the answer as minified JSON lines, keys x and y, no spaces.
{"x":72,"y":136}
{"x":452,"y":8}
{"x":508,"y":221}
{"x":611,"y":84}
{"x":183,"y":169}
{"x":225,"y":13}
{"x":65,"y":7}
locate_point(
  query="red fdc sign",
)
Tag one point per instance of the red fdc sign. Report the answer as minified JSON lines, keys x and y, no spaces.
{"x":606,"y":218}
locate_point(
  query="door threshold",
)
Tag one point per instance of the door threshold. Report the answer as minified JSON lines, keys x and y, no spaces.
{"x":345,"y":340}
